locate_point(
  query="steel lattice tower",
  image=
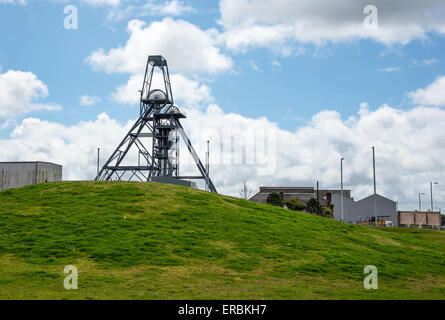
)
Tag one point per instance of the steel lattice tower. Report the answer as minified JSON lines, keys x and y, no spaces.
{"x":159,"y":121}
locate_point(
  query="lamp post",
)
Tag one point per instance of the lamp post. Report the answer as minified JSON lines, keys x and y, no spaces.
{"x":375,"y":188}
{"x":420,"y":203}
{"x":341,"y":184}
{"x":431,"y":190}
{"x":207,"y":165}
{"x":98,"y":157}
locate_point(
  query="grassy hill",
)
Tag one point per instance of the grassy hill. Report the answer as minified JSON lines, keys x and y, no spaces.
{"x":155,"y":241}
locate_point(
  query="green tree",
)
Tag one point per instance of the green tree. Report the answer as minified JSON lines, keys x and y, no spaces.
{"x":313,"y":206}
{"x":275,"y":199}
{"x":295,"y":204}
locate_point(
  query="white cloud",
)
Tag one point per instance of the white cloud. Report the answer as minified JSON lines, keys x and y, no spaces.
{"x":168,"y":8}
{"x":20,"y":92}
{"x":390,"y":69}
{"x":310,"y":153}
{"x":173,"y":8}
{"x":186,"y":92}
{"x":276,"y":64}
{"x":186,"y":47}
{"x":86,"y":100}
{"x":113,"y":3}
{"x":429,"y":62}
{"x":272,"y":23}
{"x":425,"y":62}
{"x":22,"y":2}
{"x":433,"y":94}
{"x":75,"y":147}
{"x":254,"y":66}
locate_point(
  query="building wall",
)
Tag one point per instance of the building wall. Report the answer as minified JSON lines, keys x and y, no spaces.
{"x":360,"y":211}
{"x":350,"y":209}
{"x":19,"y":174}
{"x":302,"y":193}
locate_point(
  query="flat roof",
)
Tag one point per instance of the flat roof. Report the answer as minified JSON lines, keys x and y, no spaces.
{"x":18,"y":162}
{"x":302,"y":188}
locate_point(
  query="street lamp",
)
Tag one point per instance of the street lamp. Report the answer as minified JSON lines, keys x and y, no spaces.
{"x":375,"y":188}
{"x":420,"y":203}
{"x":98,"y":157}
{"x":341,"y":194}
{"x":431,"y":190}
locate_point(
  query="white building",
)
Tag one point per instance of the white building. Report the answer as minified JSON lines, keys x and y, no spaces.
{"x":364,"y":210}
{"x":19,"y":174}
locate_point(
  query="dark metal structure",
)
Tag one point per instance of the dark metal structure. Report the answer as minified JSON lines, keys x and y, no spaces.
{"x":159,"y":121}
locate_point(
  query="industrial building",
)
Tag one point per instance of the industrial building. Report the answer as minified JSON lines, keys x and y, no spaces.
{"x":19,"y":174}
{"x":364,"y":210}
{"x":302,"y":193}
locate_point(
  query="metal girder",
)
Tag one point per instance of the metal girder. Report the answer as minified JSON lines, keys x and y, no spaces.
{"x":158,"y":120}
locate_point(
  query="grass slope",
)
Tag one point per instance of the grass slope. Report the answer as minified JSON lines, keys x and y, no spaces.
{"x":156,"y":241}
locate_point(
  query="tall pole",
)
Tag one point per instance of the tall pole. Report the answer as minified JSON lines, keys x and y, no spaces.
{"x":318,"y":193}
{"x":431,"y":191}
{"x":98,"y":157}
{"x":207,"y":165}
{"x":375,"y":188}
{"x":341,"y":182}
{"x":420,"y":202}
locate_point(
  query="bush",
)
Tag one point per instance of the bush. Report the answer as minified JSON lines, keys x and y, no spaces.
{"x":275,"y":199}
{"x":327,"y":212}
{"x":313,"y":206}
{"x":295,"y":204}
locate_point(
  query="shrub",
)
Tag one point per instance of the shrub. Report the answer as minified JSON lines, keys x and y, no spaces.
{"x":327,"y":212}
{"x":275,"y":199}
{"x":295,"y":204}
{"x":313,"y":206}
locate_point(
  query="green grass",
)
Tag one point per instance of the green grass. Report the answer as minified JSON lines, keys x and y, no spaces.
{"x":156,"y":241}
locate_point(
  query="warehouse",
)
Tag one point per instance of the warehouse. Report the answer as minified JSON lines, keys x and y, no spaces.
{"x":366,"y":209}
{"x":19,"y":174}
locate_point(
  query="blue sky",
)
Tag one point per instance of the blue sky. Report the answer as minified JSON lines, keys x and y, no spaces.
{"x":336,"y":76}
{"x":301,"y":71}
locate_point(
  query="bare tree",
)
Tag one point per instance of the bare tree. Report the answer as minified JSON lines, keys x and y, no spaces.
{"x":245,"y":192}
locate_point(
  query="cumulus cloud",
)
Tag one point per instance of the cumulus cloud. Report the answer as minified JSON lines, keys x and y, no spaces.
{"x":186,"y":47}
{"x":433,"y":94}
{"x":86,"y":100}
{"x":186,"y":92}
{"x":168,"y":8}
{"x":272,"y":23}
{"x":75,"y":147}
{"x":20,"y":93}
{"x":311,"y":152}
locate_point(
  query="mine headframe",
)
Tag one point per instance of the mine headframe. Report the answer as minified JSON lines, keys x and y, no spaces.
{"x":159,"y":121}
